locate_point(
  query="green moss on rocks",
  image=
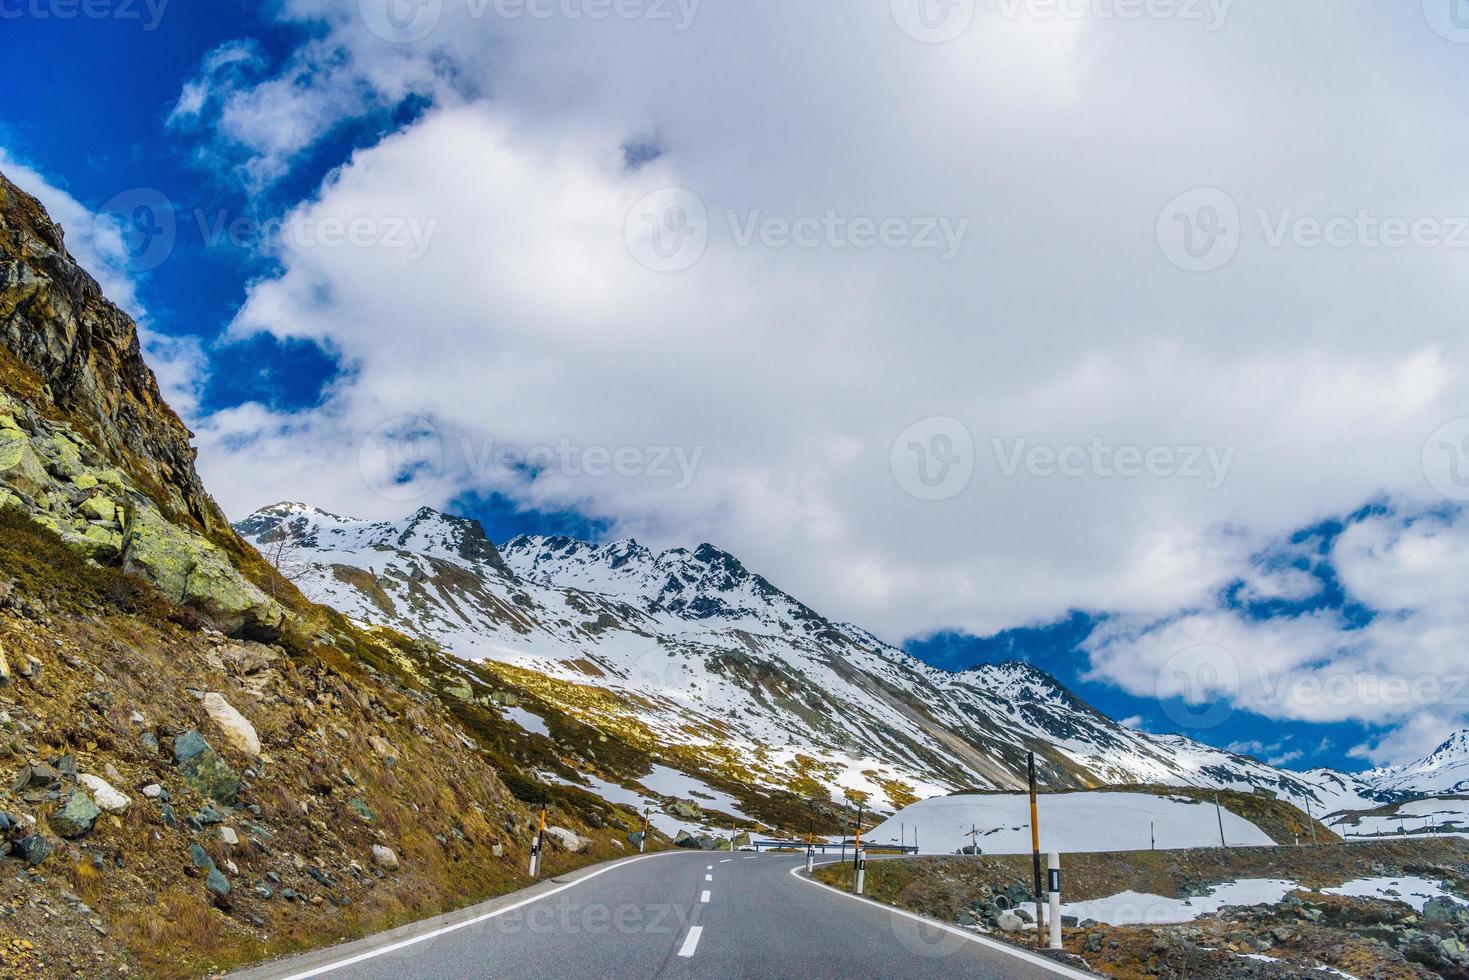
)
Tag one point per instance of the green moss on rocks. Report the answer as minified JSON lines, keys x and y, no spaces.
{"x":190,"y":570}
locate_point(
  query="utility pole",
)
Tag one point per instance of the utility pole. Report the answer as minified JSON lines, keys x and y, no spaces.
{"x":1035,"y":853}
{"x":1219,"y":812}
{"x":1311,"y":820}
{"x":973,"y":836}
{"x":1152,"y":835}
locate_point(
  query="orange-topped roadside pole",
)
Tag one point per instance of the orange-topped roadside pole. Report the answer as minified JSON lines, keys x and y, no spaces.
{"x":535,"y":847}
{"x":1035,"y":849}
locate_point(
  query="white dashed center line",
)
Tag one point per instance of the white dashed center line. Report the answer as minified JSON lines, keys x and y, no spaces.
{"x":708,"y":867}
{"x":691,"y":941}
{"x":726,"y":860}
{"x":708,"y":877}
{"x":704,"y":898}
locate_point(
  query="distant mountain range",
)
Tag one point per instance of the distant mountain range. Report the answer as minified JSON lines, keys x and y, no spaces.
{"x":747,"y":681}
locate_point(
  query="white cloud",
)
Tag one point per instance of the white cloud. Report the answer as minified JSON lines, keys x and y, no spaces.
{"x":1060,"y":322}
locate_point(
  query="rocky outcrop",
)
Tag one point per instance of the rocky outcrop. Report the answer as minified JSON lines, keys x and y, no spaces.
{"x":63,"y":481}
{"x":55,"y":321}
{"x":88,"y":445}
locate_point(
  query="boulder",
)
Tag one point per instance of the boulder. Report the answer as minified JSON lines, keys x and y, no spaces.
{"x":1441,"y":911}
{"x":76,"y":816}
{"x":687,"y":809}
{"x":204,"y":769}
{"x":105,"y":794}
{"x":1010,"y":922}
{"x":573,"y":842}
{"x":192,"y":570}
{"x":32,"y":849}
{"x":236,"y":727}
{"x":20,"y":467}
{"x":384,"y":857}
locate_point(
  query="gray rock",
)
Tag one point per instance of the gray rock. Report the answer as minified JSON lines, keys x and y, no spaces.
{"x":1441,"y":911}
{"x":217,"y":883}
{"x":149,"y":742}
{"x":384,"y":857}
{"x":32,"y":849}
{"x":204,"y":769}
{"x":1010,"y":922}
{"x":76,"y":816}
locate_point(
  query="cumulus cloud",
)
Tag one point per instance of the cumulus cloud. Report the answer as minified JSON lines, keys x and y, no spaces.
{"x":1139,"y":432}
{"x":1404,"y":667}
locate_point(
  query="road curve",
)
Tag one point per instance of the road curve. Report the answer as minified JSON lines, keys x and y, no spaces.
{"x":682,"y":914}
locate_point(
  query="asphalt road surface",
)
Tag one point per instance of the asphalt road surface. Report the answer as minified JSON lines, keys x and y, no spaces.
{"x":680,"y":914}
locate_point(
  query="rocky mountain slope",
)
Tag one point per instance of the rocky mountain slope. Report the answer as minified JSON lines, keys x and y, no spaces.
{"x":714,"y":670}
{"x":201,"y":767}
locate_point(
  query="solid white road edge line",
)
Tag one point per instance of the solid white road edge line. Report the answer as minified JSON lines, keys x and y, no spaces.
{"x":1019,"y":954}
{"x":691,"y":941}
{"x":704,"y":897}
{"x":414,"y":940}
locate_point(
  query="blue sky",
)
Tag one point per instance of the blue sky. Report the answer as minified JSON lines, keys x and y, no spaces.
{"x":1323,"y":386}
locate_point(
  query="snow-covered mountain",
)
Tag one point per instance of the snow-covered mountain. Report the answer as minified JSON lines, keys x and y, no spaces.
{"x":1443,"y":772}
{"x":716,"y":665}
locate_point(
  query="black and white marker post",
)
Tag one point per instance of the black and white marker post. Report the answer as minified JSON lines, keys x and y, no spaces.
{"x":535,"y":847}
{"x":643,"y":842}
{"x":859,"y":860}
{"x":1053,"y":883}
{"x":1035,"y":850}
{"x":810,"y":851}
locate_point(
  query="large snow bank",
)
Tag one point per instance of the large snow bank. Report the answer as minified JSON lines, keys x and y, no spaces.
{"x":1072,"y":823}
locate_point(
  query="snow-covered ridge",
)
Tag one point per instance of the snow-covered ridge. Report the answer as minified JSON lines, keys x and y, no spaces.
{"x":1444,"y":771}
{"x":713,"y":655}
